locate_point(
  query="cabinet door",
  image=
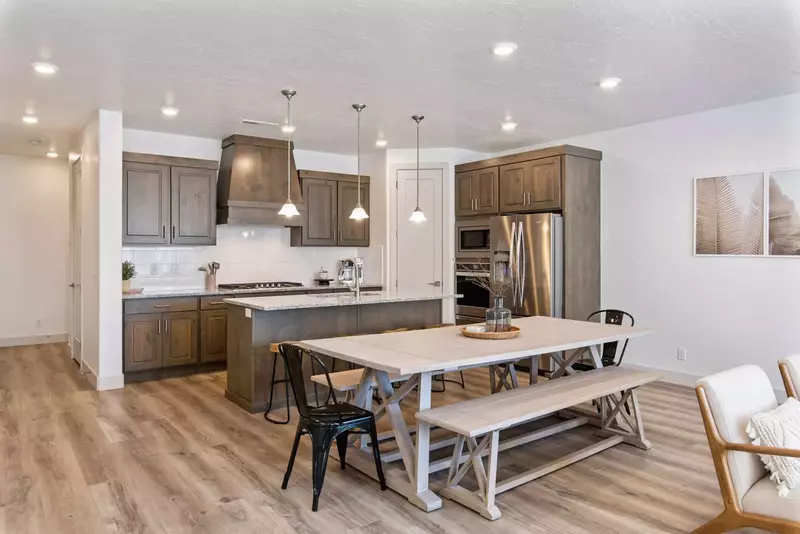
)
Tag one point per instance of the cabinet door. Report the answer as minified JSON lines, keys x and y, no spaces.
{"x":543,"y":184}
{"x":319,"y":227}
{"x":512,"y":190}
{"x":485,"y":190}
{"x":352,"y":233}
{"x":213,"y":335}
{"x":194,"y":206}
{"x":145,"y":204}
{"x":142,"y":346}
{"x":465,"y":198}
{"x":179,"y":338}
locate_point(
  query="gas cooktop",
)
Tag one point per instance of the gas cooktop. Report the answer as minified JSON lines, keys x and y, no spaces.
{"x":260,"y":285}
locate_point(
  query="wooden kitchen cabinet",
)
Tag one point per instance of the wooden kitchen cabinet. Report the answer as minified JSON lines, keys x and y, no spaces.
{"x":142,"y":347}
{"x":352,"y":233}
{"x":319,"y":227}
{"x":179,"y":338}
{"x":194,"y":206}
{"x":476,"y":192}
{"x":145,"y":203}
{"x":168,"y":201}
{"x":213,"y":335}
{"x":330,"y":198}
{"x":533,"y":185}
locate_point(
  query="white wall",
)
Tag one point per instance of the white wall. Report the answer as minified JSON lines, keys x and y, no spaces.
{"x":34,"y":238}
{"x":725,"y":311}
{"x":246,"y":253}
{"x":101,"y":223}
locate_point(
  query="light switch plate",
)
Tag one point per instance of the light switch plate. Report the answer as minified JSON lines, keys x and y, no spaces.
{"x":153,"y":269}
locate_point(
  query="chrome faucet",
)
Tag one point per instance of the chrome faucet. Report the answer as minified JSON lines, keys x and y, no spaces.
{"x":358,"y":275}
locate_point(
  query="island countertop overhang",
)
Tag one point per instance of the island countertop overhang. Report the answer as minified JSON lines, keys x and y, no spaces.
{"x":293,"y":302}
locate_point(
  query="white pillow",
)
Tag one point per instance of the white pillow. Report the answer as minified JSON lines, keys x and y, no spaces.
{"x":779,"y":428}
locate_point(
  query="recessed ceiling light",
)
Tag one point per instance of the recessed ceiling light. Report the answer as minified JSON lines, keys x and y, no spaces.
{"x":504,"y":49}
{"x":52,"y":154}
{"x":609,"y":83}
{"x":508,"y":126}
{"x":30,"y":119}
{"x":288,"y":128}
{"x":169,"y":111}
{"x":45,"y":69}
{"x":380,"y":143}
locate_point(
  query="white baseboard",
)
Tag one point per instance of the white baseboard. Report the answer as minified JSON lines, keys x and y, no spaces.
{"x":33,"y":340}
{"x":687,"y":379}
{"x":105,"y":383}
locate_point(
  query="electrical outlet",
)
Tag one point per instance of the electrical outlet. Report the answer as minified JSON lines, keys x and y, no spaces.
{"x":682,"y":354}
{"x":175,"y":269}
{"x":153,"y":269}
{"x":38,"y":323}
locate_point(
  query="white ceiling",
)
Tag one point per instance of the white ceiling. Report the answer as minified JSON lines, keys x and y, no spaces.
{"x":221,"y":61}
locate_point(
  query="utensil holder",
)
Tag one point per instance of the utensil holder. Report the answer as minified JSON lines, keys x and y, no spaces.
{"x":211,"y":282}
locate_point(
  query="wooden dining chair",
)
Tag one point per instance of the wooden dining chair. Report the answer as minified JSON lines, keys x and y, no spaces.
{"x":790,"y":372}
{"x":333,"y":421}
{"x":728,"y":400}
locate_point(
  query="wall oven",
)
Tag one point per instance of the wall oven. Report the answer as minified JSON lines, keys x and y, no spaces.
{"x":475,"y":299}
{"x":472,"y":238}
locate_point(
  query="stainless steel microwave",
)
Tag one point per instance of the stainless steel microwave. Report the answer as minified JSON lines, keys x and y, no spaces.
{"x":472,"y":237}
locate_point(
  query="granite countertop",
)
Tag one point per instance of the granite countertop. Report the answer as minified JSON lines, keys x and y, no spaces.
{"x":166,"y":293}
{"x":290,"y":302}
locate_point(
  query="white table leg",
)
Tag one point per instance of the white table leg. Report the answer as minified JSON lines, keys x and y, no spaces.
{"x":420,"y":475}
{"x":596,"y":357}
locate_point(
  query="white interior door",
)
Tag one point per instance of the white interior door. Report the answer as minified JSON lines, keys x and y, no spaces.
{"x":419,"y":249}
{"x":75,"y":253}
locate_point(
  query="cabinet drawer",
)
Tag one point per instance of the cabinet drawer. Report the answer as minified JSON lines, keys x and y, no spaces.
{"x":215,"y":303}
{"x":160,"y":305}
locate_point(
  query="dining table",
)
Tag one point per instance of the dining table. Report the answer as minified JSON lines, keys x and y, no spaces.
{"x":419,"y":355}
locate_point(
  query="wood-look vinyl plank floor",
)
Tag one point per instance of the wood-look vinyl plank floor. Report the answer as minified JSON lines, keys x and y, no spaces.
{"x":174,"y":456}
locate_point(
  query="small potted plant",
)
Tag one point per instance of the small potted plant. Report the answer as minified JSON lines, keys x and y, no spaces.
{"x":128,"y":272}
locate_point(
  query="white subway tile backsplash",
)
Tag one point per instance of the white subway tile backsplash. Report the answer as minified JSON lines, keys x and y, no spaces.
{"x":246,"y":254}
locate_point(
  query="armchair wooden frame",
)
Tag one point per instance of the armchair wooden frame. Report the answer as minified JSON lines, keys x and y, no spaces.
{"x":791,"y":387}
{"x":733,"y":516}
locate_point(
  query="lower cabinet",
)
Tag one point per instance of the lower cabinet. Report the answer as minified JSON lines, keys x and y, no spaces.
{"x":213,"y":335}
{"x":142,"y":346}
{"x":179,"y":338}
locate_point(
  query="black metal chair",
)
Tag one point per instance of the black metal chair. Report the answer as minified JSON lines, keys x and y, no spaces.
{"x":608,"y":356}
{"x":332,"y":421}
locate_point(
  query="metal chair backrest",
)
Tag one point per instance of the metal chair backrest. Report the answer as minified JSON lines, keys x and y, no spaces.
{"x":617,"y":317}
{"x":293,"y":360}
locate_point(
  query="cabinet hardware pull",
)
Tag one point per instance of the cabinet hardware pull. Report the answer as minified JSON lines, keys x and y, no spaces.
{"x":215,"y":302}
{"x":477,"y":204}
{"x":173,"y":231}
{"x":159,"y":327}
{"x":162,"y":306}
{"x":163,"y":232}
{"x":166,"y":326}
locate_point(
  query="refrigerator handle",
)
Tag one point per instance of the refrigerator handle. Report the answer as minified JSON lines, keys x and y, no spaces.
{"x":512,"y":264}
{"x":520,"y":265}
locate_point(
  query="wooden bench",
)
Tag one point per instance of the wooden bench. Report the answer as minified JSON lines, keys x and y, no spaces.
{"x":487,"y":416}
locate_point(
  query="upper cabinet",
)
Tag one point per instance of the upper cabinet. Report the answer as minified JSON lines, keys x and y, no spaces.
{"x":531,"y":185}
{"x":168,"y":200}
{"x":330,"y":198}
{"x":477,"y":192}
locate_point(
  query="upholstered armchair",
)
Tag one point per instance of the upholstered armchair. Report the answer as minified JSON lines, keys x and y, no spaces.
{"x":728,"y":400}
{"x":790,"y":371}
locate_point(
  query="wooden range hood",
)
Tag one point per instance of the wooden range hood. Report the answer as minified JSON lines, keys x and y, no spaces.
{"x":252,"y":182}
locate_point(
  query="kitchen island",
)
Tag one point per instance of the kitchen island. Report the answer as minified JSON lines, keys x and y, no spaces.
{"x":256,"y":323}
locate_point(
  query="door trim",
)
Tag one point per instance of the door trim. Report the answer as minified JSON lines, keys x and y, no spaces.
{"x":74,"y":204}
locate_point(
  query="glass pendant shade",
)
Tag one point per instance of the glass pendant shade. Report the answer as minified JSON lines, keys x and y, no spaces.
{"x":289,"y":209}
{"x":359,"y":213}
{"x":417,"y":216}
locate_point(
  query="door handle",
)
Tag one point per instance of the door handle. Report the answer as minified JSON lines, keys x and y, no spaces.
{"x":520,"y":264}
{"x":437,"y":283}
{"x":511,"y":263}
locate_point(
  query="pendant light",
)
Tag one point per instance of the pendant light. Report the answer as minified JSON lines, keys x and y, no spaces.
{"x":288,"y":210}
{"x":417,"y":216}
{"x":359,"y":213}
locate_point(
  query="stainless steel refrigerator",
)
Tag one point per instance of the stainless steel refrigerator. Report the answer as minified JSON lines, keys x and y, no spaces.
{"x":527,"y":250}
